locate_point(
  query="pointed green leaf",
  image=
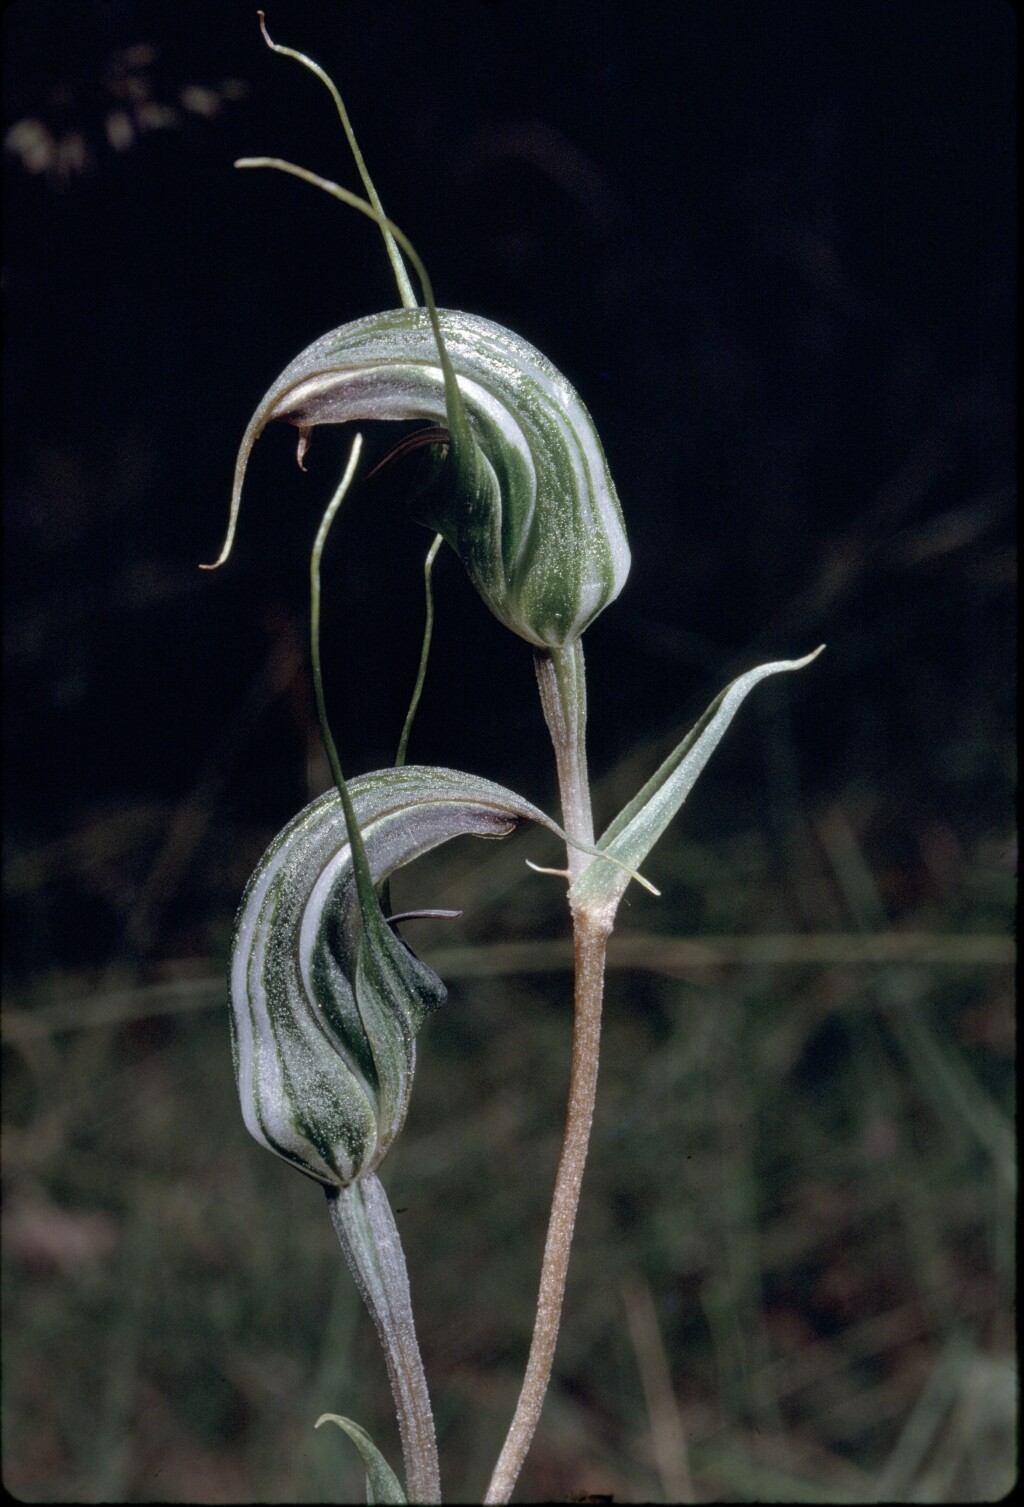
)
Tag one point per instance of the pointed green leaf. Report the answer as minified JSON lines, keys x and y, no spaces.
{"x":383,"y":1487}
{"x":638,"y":826}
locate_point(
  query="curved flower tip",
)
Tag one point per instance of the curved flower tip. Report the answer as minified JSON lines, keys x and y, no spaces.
{"x":324,"y":1007}
{"x":524,"y":498}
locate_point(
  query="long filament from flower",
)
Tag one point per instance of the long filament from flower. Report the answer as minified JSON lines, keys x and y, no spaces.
{"x":428,"y":629}
{"x":458,"y":423}
{"x":405,"y":292}
{"x":369,"y":907}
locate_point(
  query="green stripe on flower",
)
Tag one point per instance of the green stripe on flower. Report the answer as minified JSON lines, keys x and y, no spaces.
{"x":323,"y":1017}
{"x":528,"y":505}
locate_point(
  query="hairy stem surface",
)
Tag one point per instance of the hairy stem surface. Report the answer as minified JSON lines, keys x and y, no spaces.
{"x":366,"y":1228}
{"x":563,"y":697}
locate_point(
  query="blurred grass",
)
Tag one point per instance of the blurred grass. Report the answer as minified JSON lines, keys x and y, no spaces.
{"x":801,"y":1178}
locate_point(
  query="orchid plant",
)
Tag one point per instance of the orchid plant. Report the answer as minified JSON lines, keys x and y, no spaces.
{"x":326,"y":997}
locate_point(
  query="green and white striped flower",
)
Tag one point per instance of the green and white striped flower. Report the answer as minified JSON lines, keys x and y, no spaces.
{"x":520,"y":487}
{"x":326,"y":999}
{"x":521,"y":490}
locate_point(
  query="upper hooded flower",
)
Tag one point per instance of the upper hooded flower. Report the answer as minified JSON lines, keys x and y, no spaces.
{"x":521,"y":490}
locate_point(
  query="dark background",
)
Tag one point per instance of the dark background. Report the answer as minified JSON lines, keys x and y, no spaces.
{"x":772,"y":246}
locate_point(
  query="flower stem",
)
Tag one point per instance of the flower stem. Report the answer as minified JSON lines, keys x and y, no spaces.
{"x":560,"y":675}
{"x":366,"y":1229}
{"x":561,"y":678}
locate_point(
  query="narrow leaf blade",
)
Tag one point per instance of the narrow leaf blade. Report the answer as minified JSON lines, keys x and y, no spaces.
{"x":383,"y":1487}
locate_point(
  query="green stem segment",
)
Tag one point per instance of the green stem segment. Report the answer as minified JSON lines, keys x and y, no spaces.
{"x":560,"y":675}
{"x":561,"y":678}
{"x":366,"y":1229}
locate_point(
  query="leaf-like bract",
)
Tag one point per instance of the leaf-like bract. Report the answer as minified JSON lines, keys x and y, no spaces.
{"x":636,"y":829}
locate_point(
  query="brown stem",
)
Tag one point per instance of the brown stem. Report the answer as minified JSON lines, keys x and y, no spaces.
{"x":563,"y":697}
{"x":591,"y":935}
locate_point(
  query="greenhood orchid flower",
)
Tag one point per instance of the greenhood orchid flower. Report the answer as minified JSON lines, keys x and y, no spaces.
{"x":521,"y":489}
